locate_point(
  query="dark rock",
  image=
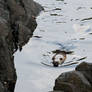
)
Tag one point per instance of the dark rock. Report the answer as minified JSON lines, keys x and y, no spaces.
{"x":57,"y":91}
{"x":17,"y":25}
{"x":75,"y":81}
{"x":86,"y":70}
{"x":2,"y":89}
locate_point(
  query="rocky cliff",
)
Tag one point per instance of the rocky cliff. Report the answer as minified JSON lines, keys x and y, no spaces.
{"x":79,"y":80}
{"x":17,"y":24}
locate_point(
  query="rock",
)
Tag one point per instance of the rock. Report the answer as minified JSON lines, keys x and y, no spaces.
{"x":1,"y":88}
{"x":17,"y":25}
{"x":75,"y":81}
{"x":31,"y":11}
{"x":57,"y":91}
{"x":86,"y":70}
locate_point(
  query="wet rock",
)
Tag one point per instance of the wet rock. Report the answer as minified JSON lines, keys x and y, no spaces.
{"x":75,"y":81}
{"x":86,"y":70}
{"x":57,"y":91}
{"x":72,"y":82}
{"x":17,"y":24}
{"x":34,"y":9}
{"x":7,"y":69}
{"x":3,"y":88}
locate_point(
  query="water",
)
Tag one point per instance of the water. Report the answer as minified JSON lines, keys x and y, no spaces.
{"x":60,"y":27}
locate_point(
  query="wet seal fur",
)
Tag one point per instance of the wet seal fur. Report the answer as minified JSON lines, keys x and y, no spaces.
{"x":62,"y":57}
{"x":61,"y":60}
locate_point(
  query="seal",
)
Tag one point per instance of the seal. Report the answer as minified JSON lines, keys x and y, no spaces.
{"x":59,"y":58}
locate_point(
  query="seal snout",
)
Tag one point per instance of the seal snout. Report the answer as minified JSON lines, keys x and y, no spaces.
{"x":55,"y":64}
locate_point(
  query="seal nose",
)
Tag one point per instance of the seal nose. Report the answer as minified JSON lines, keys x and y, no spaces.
{"x":55,"y":64}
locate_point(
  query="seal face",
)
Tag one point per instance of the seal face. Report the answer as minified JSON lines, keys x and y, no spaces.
{"x":59,"y":58}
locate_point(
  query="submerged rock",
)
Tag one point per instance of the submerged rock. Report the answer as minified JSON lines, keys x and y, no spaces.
{"x":17,"y":25}
{"x":75,"y":81}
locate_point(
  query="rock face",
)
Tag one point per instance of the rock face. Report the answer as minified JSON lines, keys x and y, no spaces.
{"x":79,"y":80}
{"x":17,"y":24}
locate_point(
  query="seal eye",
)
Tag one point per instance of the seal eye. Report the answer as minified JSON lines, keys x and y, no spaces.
{"x":61,"y":59}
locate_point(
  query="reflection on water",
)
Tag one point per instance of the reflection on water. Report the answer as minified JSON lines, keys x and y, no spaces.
{"x":59,"y":27}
